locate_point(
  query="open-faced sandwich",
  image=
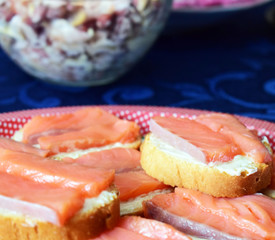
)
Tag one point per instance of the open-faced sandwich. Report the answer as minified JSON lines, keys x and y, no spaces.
{"x":213,"y":153}
{"x":41,"y":198}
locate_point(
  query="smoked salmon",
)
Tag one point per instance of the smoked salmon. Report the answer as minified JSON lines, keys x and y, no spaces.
{"x":249,"y":217}
{"x":86,"y":128}
{"x":130,"y":180}
{"x":47,"y":203}
{"x":151,"y":228}
{"x":132,"y":184}
{"x":231,"y":127}
{"x":138,"y":228}
{"x":194,"y":138}
{"x":210,"y":137}
{"x":89,"y":181}
{"x":119,"y":159}
{"x":21,"y":147}
{"x":61,"y":123}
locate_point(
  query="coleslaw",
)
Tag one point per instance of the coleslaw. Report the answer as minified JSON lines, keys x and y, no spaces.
{"x":79,"y":42}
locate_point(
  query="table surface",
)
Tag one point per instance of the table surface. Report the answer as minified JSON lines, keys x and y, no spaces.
{"x":226,"y":66}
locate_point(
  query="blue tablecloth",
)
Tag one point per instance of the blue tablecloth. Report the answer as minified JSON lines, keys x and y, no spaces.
{"x":226,"y":66}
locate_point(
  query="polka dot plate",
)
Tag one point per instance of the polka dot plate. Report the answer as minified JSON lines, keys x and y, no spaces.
{"x":13,"y":121}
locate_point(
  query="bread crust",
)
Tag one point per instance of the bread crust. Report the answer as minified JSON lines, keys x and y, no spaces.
{"x":177,"y":172}
{"x":83,"y":226}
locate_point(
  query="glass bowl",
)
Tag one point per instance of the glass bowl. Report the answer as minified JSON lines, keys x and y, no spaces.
{"x":80,"y":42}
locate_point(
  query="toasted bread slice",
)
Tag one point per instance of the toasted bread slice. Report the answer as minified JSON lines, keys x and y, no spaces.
{"x":173,"y":167}
{"x":98,"y":214}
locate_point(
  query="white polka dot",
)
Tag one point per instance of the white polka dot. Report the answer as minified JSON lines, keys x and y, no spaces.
{"x":143,"y":125}
{"x":138,"y":113}
{"x":5,"y":124}
{"x":15,"y":126}
{"x":1,"y":130}
{"x":11,"y":131}
{"x":122,"y":113}
{"x":9,"y":125}
{"x":129,"y":117}
{"x":151,"y":114}
{"x":162,"y":114}
{"x":6,"y":131}
{"x":141,"y":119}
{"x":175,"y":115}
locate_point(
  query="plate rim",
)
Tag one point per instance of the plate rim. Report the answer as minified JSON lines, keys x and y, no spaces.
{"x":270,"y":126}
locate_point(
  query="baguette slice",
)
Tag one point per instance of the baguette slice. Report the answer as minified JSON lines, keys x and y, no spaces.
{"x":174,"y":167}
{"x":98,"y":214}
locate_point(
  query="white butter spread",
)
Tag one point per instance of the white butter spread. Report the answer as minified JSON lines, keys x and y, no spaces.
{"x":236,"y":167}
{"x":104,"y":198}
{"x":78,"y":153}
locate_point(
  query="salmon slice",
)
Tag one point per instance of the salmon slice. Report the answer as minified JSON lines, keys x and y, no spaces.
{"x":57,"y":124}
{"x":51,"y":204}
{"x":119,"y":159}
{"x":231,"y":127}
{"x":119,"y":233}
{"x":85,"y":118}
{"x":194,"y":138}
{"x":21,"y":147}
{"x":135,"y":183}
{"x":97,"y":135}
{"x":138,"y":228}
{"x":251,"y":216}
{"x":89,"y":181}
{"x":151,"y":228}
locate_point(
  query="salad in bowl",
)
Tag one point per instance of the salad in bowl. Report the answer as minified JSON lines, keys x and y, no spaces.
{"x":79,"y":42}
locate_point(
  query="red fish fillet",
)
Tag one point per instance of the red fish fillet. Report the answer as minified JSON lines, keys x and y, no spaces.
{"x":135,"y":183}
{"x":151,"y":228}
{"x":96,"y":135}
{"x":89,"y":181}
{"x":57,"y":124}
{"x":51,"y":204}
{"x":251,"y":216}
{"x":231,"y":127}
{"x":119,"y":159}
{"x":85,"y":128}
{"x":194,"y":138}
{"x":137,"y":228}
{"x":21,"y":147}
{"x":119,"y":233}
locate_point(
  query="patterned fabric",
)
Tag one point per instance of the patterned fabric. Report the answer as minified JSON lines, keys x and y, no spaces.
{"x":228,"y":67}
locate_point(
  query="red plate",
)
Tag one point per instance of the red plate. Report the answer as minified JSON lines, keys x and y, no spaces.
{"x":12,"y":121}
